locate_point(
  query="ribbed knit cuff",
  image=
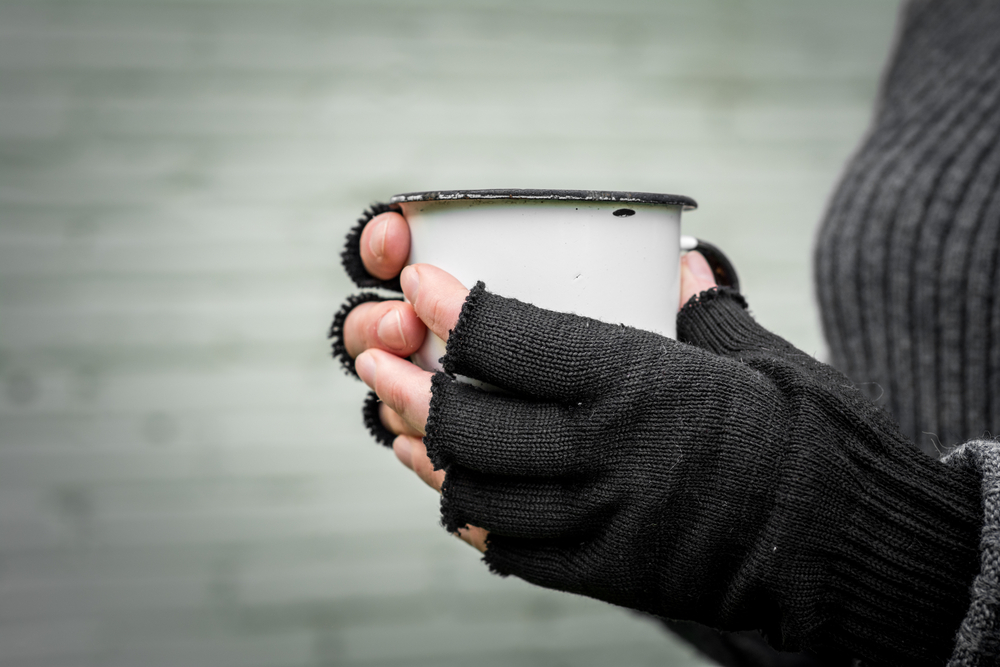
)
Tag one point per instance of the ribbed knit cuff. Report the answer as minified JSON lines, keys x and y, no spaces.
{"x":350,"y":257}
{"x":902,"y":564}
{"x":718,"y":320}
{"x":715,"y":320}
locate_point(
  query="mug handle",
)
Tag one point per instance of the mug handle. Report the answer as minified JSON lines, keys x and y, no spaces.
{"x":722,"y":268}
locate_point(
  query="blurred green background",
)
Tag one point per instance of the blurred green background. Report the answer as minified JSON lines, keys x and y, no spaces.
{"x":184,"y":479}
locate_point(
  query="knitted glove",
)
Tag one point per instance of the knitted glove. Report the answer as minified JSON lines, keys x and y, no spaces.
{"x":739,"y":484}
{"x":350,"y":258}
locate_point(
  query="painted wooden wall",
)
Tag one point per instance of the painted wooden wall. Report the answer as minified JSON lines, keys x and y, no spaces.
{"x":183,"y":476}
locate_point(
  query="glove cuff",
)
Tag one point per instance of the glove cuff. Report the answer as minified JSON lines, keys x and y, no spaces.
{"x":350,"y":257}
{"x":903,"y":559}
{"x":717,"y":320}
{"x":336,"y":333}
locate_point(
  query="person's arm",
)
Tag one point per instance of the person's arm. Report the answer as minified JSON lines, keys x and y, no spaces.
{"x":740,"y":483}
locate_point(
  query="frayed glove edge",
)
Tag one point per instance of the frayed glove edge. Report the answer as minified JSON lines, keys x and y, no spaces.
{"x":372,"y":421}
{"x":350,"y":257}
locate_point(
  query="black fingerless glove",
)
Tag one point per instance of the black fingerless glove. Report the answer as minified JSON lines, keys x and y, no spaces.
{"x":739,"y":483}
{"x":350,"y":258}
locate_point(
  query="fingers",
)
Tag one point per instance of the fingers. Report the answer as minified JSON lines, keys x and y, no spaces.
{"x":383,"y":325}
{"x":394,"y":423}
{"x":516,"y":507}
{"x":696,"y":276}
{"x":437,"y":296}
{"x":412,"y":453}
{"x":531,"y":351}
{"x":555,"y":563}
{"x":505,"y":435}
{"x":385,"y":245}
{"x":475,"y":536}
{"x":403,"y":387}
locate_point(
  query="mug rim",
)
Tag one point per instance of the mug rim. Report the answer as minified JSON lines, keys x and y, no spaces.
{"x":561,"y":195}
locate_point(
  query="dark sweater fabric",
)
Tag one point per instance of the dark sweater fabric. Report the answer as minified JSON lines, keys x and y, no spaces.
{"x":906,"y":260}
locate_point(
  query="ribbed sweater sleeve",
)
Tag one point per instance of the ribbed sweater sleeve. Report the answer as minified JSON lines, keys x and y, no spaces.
{"x":907,"y":257}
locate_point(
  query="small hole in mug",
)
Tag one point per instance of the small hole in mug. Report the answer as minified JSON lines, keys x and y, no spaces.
{"x":623,"y":213}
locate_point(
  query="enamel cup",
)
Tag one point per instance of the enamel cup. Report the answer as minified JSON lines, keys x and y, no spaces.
{"x":612,"y":256}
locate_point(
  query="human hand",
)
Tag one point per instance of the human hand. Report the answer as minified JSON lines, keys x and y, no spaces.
{"x":398,"y":328}
{"x":384,"y":245}
{"x":715,"y":484}
{"x":394,"y":329}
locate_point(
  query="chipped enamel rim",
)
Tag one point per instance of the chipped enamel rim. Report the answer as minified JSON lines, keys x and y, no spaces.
{"x":560,"y":195}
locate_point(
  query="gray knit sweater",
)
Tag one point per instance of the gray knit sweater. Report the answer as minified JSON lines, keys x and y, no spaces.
{"x":907,"y":268}
{"x":907,"y":257}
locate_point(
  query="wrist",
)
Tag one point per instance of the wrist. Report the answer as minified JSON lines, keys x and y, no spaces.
{"x":891,"y":556}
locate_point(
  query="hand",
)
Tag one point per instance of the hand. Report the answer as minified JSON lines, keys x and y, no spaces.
{"x":742,"y":485}
{"x":391,"y":329}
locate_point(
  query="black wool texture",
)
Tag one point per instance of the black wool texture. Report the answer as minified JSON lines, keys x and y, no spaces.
{"x":373,"y":421}
{"x":729,"y":479}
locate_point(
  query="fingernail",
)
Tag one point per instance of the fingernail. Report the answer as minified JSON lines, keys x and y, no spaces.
{"x":365,"y":366}
{"x":390,"y":330}
{"x":376,"y":241}
{"x":409,"y":280}
{"x":403,"y":449}
{"x":700,"y":268}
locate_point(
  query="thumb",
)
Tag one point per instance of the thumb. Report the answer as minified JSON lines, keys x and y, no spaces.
{"x":696,"y":276}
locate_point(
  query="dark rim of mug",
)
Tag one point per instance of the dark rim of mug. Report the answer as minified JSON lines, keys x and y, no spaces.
{"x":562,"y":195}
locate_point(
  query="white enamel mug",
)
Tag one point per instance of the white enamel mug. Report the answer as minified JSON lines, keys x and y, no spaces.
{"x":612,"y":256}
